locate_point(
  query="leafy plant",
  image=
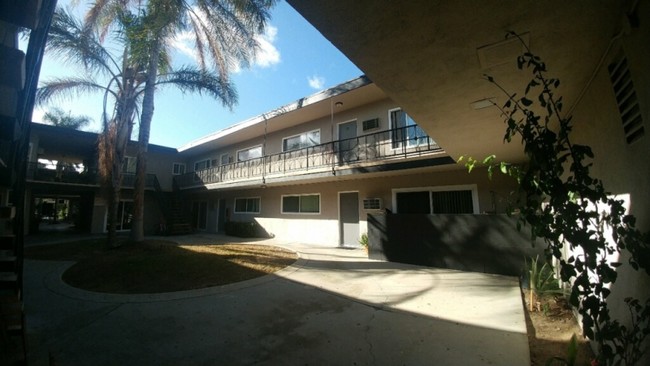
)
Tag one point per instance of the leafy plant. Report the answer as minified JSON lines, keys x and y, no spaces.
{"x":363,"y":240}
{"x":568,"y":208}
{"x":541,"y":281}
{"x":571,"y":354}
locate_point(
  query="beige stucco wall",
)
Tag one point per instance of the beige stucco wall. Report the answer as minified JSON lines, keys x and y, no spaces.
{"x":323,"y":228}
{"x":623,"y":167}
{"x":325,"y":125}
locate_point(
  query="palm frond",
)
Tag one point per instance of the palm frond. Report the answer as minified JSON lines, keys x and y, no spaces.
{"x":68,"y":88}
{"x":68,"y":41}
{"x":191,"y":79}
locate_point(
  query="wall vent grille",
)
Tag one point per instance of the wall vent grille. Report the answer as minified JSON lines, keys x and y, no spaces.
{"x":626,"y":99}
{"x":372,"y":204}
{"x":370,"y":124}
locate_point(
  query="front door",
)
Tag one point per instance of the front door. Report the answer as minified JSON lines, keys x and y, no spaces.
{"x":349,"y":219}
{"x":221,"y":217}
{"x":348,"y":142}
{"x":200,"y":215}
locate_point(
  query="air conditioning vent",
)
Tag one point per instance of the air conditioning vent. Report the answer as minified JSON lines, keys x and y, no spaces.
{"x":626,"y":99}
{"x":370,"y":124}
{"x":372,"y":204}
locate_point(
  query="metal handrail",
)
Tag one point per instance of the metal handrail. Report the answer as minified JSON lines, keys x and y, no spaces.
{"x":403,"y":142}
{"x":39,"y":173}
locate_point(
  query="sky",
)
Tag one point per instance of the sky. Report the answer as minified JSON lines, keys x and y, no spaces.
{"x":296,"y":61}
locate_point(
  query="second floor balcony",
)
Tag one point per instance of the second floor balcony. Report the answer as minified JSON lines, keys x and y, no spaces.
{"x":380,"y":148}
{"x":69,"y":175}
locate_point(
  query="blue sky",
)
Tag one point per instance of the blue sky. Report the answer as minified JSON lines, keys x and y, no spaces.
{"x":296,"y":61}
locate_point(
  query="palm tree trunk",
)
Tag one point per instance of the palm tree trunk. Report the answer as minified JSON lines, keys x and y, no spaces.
{"x":137,"y":228}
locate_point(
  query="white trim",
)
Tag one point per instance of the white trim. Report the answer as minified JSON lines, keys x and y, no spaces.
{"x":178,"y":164}
{"x":338,"y":130}
{"x":461,"y":187}
{"x":259,"y":210}
{"x":300,"y":134}
{"x":248,"y":148}
{"x":320,"y":203}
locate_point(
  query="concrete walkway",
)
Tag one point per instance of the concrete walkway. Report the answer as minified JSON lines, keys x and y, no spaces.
{"x":332,"y":307}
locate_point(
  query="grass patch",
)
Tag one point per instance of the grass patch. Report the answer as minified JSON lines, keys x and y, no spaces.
{"x":157,"y":266}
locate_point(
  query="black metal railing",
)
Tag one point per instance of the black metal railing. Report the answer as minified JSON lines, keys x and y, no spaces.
{"x":39,"y":172}
{"x":404,"y":142}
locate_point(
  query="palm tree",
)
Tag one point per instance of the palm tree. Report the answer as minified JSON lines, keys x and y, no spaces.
{"x":57,"y":117}
{"x":224,"y":34}
{"x":122,"y":79}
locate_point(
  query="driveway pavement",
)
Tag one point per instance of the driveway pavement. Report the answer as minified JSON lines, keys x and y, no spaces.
{"x":332,"y":307}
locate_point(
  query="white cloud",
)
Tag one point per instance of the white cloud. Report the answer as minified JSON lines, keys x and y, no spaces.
{"x":316,"y":82}
{"x":268,"y":55}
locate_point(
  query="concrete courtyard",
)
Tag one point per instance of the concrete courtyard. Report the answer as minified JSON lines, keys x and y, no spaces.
{"x":332,"y":307}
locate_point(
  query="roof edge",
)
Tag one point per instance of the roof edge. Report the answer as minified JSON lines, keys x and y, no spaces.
{"x":334,"y":91}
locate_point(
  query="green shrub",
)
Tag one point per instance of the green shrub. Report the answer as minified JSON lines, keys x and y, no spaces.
{"x":246,"y":229}
{"x":364,"y":240}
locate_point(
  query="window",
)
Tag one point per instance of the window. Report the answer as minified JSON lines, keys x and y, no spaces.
{"x":406,"y":133}
{"x":129,"y":165}
{"x":178,"y":169}
{"x":301,"y":141}
{"x":250,"y":153}
{"x":247,"y":205}
{"x":203,"y":164}
{"x":225,"y":159}
{"x":305,"y":203}
{"x":436,"y":200}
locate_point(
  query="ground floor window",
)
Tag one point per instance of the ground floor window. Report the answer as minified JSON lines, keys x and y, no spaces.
{"x":124,"y":216}
{"x":304,"y":203}
{"x":436,"y":200}
{"x":247,"y":205}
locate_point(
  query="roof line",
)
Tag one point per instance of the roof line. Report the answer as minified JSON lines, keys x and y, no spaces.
{"x":334,"y":91}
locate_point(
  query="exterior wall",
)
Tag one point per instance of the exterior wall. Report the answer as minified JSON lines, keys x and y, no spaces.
{"x":323,"y":228}
{"x":274,"y":140}
{"x":623,"y":167}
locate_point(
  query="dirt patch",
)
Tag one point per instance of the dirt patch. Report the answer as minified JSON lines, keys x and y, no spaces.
{"x":157,"y":266}
{"x":551,"y":325}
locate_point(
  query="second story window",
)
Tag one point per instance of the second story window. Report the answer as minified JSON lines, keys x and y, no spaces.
{"x":301,"y":141}
{"x":129,"y":165}
{"x":202,"y":164}
{"x":225,"y":159}
{"x":178,"y":169}
{"x":406,"y":133}
{"x":250,"y":153}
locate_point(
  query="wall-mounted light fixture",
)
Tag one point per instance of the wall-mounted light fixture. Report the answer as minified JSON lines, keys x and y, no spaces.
{"x":483,"y":103}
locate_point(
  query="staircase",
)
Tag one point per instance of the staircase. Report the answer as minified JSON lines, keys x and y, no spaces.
{"x":178,"y":222}
{"x":172,"y":207}
{"x":12,"y":315}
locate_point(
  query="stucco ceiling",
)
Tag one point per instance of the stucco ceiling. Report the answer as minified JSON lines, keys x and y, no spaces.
{"x":423,"y":54}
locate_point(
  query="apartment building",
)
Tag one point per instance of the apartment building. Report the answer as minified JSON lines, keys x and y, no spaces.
{"x":312,"y":170}
{"x":309,"y":171}
{"x":63,"y":183}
